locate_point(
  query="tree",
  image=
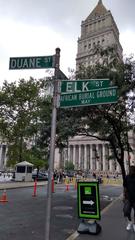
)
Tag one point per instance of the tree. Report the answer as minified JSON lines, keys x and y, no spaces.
{"x":69,"y":165}
{"x":111,"y":122}
{"x":19,"y":115}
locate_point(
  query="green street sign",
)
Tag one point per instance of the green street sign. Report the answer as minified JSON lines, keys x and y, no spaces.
{"x":88,"y":200}
{"x":17,"y":63}
{"x":93,"y":97}
{"x":83,"y":85}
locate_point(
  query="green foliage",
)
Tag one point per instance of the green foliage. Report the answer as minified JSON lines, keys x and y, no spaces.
{"x":21,"y":115}
{"x":111,"y":122}
{"x":25,"y":113}
{"x":69,"y":165}
{"x":34,"y":156}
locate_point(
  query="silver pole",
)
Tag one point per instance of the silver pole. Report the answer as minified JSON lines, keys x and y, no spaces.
{"x":52,"y":147}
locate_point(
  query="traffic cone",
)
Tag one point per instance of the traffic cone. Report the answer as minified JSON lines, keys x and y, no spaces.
{"x":67,"y":187}
{"x":35,"y":189}
{"x":4,"y":197}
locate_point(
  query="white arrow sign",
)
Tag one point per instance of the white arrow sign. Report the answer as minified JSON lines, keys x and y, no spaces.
{"x":88,"y":202}
{"x":91,"y":202}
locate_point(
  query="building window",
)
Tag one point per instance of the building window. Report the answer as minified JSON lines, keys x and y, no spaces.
{"x":20,"y":169}
{"x":86,"y":28}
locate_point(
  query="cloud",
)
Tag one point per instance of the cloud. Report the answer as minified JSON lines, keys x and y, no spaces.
{"x":127,"y":39}
{"x":27,"y":40}
{"x":31,"y":27}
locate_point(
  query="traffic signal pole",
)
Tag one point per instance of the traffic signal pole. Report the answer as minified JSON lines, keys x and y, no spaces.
{"x":52,"y":146}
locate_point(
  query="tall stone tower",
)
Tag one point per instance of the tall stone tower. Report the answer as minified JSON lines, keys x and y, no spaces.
{"x":99,"y":28}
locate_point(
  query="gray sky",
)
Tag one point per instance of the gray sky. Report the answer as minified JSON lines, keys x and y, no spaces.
{"x":37,"y":27}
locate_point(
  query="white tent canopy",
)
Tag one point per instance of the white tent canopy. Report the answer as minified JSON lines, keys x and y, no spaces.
{"x":24,"y":163}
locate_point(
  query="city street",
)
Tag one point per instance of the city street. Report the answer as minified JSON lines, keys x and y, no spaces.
{"x":23,"y":216}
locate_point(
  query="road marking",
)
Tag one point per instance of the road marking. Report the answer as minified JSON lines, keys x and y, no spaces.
{"x":64,"y":216}
{"x":62,"y":208}
{"x":73,"y":236}
{"x":76,"y":234}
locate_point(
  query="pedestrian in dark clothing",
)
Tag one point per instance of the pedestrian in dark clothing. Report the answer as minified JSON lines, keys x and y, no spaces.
{"x":129,"y":197}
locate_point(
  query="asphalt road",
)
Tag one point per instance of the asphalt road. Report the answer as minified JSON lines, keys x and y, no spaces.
{"x":23,"y":216}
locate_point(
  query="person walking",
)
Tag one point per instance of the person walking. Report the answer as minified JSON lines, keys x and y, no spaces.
{"x":129,"y":198}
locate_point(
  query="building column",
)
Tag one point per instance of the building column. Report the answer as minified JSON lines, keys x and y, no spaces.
{"x":104,"y":158}
{"x":117,"y":167}
{"x":91,"y":157}
{"x":82,"y":157}
{"x":107,"y":157}
{"x":74,"y":155}
{"x":1,"y":157}
{"x":111,"y":163}
{"x":94,"y":156}
{"x":79,"y":157}
{"x":88,"y":157}
{"x":98,"y":158}
{"x":85,"y":158}
{"x":68,"y":153}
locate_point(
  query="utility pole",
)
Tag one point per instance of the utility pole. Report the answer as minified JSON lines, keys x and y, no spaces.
{"x":52,"y":146}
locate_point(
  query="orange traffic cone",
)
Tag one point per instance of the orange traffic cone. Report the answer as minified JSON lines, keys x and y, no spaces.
{"x":4,"y":197}
{"x":67,"y":188}
{"x":35,"y":189}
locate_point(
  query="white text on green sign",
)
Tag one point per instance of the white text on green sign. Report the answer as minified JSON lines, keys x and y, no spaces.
{"x":93,"y":97}
{"x":31,"y":62}
{"x":83,"y":85}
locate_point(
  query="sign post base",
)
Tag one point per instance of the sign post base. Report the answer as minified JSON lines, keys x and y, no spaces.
{"x":89,"y":228}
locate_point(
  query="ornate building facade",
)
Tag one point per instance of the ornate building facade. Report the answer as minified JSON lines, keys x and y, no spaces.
{"x":98,"y":29}
{"x":90,"y":154}
{"x":87,"y":153}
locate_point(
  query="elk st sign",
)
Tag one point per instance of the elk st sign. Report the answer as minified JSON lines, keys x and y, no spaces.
{"x":83,"y":85}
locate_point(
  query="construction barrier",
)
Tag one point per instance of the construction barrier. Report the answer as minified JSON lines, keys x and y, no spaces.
{"x":111,"y":181}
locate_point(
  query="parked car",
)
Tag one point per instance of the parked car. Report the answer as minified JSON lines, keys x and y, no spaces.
{"x":40,"y":176}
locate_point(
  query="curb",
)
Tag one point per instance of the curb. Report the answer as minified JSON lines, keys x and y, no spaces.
{"x":15,"y":185}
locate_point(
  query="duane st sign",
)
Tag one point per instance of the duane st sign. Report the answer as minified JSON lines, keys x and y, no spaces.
{"x":17,"y":63}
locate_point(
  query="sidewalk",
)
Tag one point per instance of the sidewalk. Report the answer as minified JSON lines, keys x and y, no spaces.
{"x":10,"y":185}
{"x":113,"y":225}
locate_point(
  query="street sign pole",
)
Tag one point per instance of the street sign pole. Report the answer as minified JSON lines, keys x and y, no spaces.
{"x":52,"y":146}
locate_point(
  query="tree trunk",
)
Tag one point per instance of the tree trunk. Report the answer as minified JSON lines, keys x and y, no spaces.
{"x":20,"y":149}
{"x":121,"y":162}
